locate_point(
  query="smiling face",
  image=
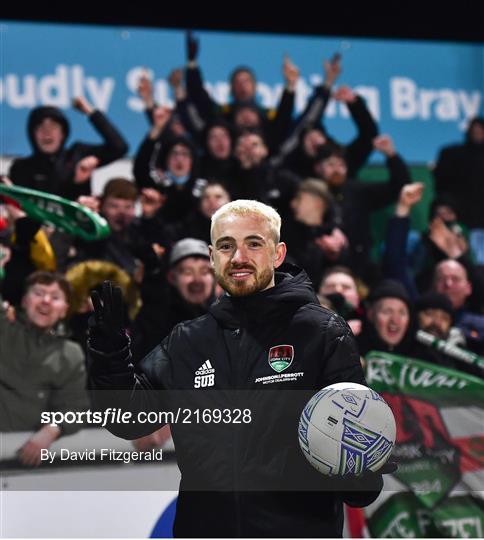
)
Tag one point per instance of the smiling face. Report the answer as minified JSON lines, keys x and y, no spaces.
{"x":49,"y":136}
{"x":193,"y":277}
{"x":45,"y":305}
{"x":244,"y":254}
{"x":435,"y":321}
{"x":390,"y":317}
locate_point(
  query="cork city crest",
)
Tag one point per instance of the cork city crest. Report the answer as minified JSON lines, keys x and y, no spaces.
{"x":281,"y":357}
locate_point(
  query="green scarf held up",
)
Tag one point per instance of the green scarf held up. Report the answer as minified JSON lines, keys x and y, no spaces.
{"x":68,"y":216}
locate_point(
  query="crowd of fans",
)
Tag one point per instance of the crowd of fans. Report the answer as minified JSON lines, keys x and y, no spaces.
{"x":195,"y":158}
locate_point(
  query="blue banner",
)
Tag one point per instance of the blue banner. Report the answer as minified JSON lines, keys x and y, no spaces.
{"x":422,"y":93}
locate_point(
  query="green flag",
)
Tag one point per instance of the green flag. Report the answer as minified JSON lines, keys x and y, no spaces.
{"x":438,"y":489}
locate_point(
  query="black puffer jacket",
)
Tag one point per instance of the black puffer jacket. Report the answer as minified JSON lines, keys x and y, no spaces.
{"x":254,"y":477}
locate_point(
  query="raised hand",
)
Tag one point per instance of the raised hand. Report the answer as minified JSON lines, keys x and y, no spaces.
{"x":332,"y":244}
{"x":290,"y":72}
{"x":410,"y":195}
{"x":89,"y":201}
{"x":14,"y":212}
{"x":82,"y":105}
{"x":84,"y":169}
{"x":106,"y":327}
{"x":175,"y":78}
{"x":145,"y":90}
{"x":151,"y":201}
{"x":192,"y":44}
{"x":332,"y":70}
{"x":345,"y":94}
{"x":384,"y":144}
{"x":452,"y":244}
{"x":161,"y":117}
{"x":5,"y":180}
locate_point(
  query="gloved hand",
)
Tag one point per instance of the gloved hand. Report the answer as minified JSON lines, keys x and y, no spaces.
{"x":363,"y":489}
{"x":192,"y":46}
{"x":106,"y":327}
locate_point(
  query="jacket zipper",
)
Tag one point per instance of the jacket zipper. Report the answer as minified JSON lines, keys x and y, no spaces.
{"x":237,"y":501}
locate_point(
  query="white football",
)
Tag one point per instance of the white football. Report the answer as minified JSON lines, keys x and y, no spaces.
{"x":347,"y":428}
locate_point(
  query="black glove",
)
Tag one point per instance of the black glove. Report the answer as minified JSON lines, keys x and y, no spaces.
{"x":363,"y":489}
{"x":192,"y":47}
{"x":106,"y":327}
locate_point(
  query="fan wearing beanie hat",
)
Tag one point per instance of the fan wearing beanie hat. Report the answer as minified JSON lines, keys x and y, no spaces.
{"x":435,"y":314}
{"x":188,"y":247}
{"x":387,"y":327}
{"x":183,"y":294}
{"x":390,"y":326}
{"x":389,"y":288}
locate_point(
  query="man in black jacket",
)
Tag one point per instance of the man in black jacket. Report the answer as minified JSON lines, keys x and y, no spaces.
{"x":131,"y":239}
{"x":169,"y":165}
{"x":355,"y":201}
{"x":459,"y":173}
{"x":266,"y":347}
{"x":65,"y":171}
{"x":255,"y":177}
{"x":313,"y":242}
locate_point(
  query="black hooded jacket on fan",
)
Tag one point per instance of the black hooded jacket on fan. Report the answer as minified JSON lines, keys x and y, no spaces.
{"x":54,"y":173}
{"x":244,"y":480}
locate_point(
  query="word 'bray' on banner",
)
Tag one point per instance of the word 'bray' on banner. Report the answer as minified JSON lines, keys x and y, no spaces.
{"x":423,"y":93}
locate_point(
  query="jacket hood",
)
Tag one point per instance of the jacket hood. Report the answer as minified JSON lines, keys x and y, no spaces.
{"x":39,"y":114}
{"x":170,"y":143}
{"x":292,"y":290}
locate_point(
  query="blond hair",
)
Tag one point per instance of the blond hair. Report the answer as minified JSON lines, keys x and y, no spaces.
{"x":245,"y":207}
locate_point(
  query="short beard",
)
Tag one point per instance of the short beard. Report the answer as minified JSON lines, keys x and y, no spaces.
{"x":336,"y":179}
{"x":258,"y":283}
{"x":437,"y":332}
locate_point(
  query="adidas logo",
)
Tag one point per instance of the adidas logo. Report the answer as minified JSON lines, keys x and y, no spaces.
{"x":204,"y":376}
{"x":205,"y":369}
